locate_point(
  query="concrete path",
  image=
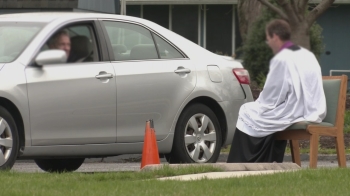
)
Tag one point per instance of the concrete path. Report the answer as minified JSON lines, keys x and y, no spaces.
{"x":229,"y":170}
{"x":217,"y":175}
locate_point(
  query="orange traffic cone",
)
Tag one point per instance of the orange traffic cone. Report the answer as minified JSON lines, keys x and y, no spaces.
{"x":150,"y":153}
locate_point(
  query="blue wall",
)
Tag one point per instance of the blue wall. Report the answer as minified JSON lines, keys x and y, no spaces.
{"x":336,"y":31}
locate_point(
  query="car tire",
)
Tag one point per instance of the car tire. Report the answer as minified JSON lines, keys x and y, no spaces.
{"x":9,"y":141}
{"x":59,"y":165}
{"x":201,"y":146}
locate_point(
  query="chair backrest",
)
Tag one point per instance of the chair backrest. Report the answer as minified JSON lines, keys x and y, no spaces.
{"x":335,"y":91}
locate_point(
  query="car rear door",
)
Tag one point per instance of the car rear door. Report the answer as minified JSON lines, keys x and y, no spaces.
{"x":153,"y":80}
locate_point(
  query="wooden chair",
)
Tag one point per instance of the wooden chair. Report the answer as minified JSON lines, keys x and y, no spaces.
{"x":335,"y":88}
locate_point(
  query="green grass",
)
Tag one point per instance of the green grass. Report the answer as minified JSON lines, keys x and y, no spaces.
{"x":303,"y":182}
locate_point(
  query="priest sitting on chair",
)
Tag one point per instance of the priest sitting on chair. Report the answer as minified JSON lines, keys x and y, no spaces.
{"x":293,"y":92}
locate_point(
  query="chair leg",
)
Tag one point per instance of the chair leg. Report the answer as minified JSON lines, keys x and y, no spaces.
{"x":294,"y":148}
{"x":339,"y":143}
{"x":313,"y":150}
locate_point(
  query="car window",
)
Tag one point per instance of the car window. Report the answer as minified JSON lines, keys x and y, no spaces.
{"x":130,"y":41}
{"x":166,"y":51}
{"x":80,"y":30}
{"x":78,"y":41}
{"x":14,"y":37}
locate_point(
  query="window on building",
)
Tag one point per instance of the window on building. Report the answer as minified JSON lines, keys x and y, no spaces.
{"x":133,"y":10}
{"x":219,"y":17}
{"x":185,"y":21}
{"x":157,"y":13}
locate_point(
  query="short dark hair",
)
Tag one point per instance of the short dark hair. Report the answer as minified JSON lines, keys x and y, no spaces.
{"x":279,"y":27}
{"x":53,"y":40}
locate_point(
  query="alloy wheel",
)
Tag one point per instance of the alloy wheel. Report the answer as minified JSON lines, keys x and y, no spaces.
{"x":200,"y":138}
{"x":6,"y":141}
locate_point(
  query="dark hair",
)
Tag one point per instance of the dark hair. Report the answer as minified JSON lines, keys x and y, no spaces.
{"x":279,"y":27}
{"x":53,"y":40}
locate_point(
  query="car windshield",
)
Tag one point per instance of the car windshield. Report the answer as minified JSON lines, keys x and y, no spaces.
{"x":14,"y":37}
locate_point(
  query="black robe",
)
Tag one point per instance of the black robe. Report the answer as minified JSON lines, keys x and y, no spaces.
{"x":248,"y":149}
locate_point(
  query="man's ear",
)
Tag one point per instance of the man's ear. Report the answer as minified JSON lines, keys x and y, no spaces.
{"x":275,"y":36}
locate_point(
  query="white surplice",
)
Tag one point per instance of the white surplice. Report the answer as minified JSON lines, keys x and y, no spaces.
{"x":293,"y":92}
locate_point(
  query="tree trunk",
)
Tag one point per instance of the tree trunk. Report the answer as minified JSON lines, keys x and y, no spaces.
{"x":300,"y":34}
{"x":248,"y":12}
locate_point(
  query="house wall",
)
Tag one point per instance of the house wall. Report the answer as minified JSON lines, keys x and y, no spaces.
{"x":20,"y":6}
{"x":336,"y":37}
{"x":38,"y":4}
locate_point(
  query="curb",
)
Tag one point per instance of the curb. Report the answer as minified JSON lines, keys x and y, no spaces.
{"x":217,"y":175}
{"x":303,"y":157}
{"x":229,"y":167}
{"x":230,"y":170}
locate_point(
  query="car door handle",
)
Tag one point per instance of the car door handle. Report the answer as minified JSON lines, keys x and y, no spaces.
{"x":104,"y":75}
{"x":182,"y":70}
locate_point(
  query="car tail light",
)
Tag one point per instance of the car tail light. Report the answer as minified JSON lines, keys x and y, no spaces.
{"x":242,"y":75}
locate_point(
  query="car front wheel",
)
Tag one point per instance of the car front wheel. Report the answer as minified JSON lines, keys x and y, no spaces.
{"x":9,"y":142}
{"x":59,"y":165}
{"x":197,"y":136}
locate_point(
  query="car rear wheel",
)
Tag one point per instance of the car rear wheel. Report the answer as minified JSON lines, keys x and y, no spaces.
{"x":197,"y":136}
{"x":59,"y":165}
{"x":9,"y":142}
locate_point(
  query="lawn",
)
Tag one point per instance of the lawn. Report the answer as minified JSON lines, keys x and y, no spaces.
{"x":303,"y":182}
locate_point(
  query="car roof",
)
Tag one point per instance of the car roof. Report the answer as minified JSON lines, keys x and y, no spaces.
{"x":50,"y":16}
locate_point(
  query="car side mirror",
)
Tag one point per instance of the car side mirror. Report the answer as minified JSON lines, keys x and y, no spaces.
{"x":51,"y":57}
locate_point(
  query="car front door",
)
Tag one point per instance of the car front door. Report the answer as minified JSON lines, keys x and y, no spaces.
{"x":153,"y":80}
{"x":75,"y":102}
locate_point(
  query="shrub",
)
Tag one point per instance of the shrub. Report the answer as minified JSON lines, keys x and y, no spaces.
{"x":347,"y":121}
{"x":256,"y":53}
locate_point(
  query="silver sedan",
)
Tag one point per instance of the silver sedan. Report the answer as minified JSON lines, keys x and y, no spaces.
{"x":79,"y":85}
